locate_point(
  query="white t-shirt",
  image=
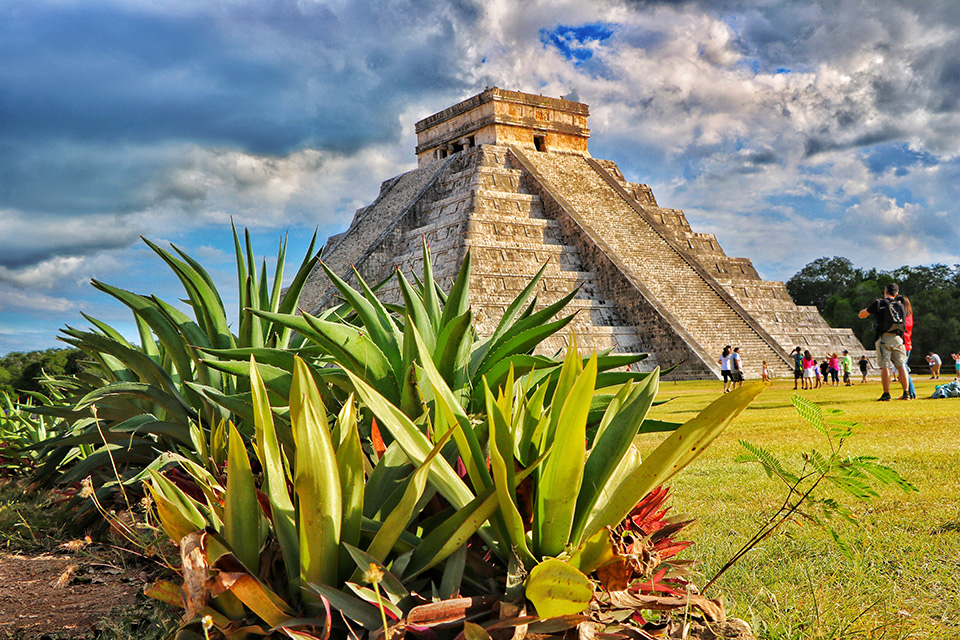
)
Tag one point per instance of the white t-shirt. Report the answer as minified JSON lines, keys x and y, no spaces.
{"x":734,"y":361}
{"x":935,"y":359}
{"x":725,"y":362}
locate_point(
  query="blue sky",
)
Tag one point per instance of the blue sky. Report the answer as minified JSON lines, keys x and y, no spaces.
{"x":791,"y":130}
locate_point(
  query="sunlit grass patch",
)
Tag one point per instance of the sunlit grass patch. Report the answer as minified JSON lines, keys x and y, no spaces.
{"x":902,"y":579}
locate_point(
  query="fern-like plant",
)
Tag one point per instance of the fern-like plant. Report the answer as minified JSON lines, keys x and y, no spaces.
{"x":856,"y":477}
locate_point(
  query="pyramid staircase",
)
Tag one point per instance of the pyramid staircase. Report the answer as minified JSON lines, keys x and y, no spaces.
{"x":646,"y":282}
{"x":476,"y":202}
{"x":671,"y":281}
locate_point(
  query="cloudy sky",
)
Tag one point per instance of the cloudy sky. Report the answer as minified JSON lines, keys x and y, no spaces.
{"x":792,"y":130}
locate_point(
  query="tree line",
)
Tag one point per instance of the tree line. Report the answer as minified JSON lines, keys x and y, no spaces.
{"x":20,"y":372}
{"x":839,"y":291}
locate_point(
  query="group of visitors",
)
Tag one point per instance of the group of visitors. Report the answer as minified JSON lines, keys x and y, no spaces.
{"x":808,"y":373}
{"x":893,"y":316}
{"x":731,"y":368}
{"x":935,"y":363}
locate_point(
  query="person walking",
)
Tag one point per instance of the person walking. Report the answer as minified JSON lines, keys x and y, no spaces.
{"x":846,"y":365}
{"x":934,"y":361}
{"x":890,"y":317}
{"x":736,"y":368}
{"x":956,"y":363}
{"x":797,"y":366}
{"x":765,"y":373}
{"x":724,"y":363}
{"x":863,"y":364}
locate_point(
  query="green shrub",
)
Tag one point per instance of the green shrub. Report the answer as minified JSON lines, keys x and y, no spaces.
{"x":165,"y":394}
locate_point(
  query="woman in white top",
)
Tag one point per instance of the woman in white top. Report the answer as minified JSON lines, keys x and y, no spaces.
{"x":724,"y":362}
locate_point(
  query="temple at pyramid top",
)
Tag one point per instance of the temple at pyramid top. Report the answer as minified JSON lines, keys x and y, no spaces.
{"x":502,"y":117}
{"x":507,"y":176}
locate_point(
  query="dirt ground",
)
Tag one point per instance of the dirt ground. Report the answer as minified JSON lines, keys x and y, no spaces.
{"x":52,"y":595}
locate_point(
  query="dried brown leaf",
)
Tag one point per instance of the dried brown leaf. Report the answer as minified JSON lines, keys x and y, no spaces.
{"x":616,"y":575}
{"x":195,"y":571}
{"x":711,"y":609}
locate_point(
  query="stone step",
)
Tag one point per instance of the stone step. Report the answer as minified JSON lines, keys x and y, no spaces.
{"x":603,"y":315}
{"x":699,"y":308}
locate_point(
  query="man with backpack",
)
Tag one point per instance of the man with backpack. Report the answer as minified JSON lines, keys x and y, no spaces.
{"x":889,"y":315}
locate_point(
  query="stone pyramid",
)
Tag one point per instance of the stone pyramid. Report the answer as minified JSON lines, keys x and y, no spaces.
{"x":508,"y":176}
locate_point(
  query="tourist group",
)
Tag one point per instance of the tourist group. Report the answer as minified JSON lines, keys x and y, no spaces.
{"x":808,"y":373}
{"x":893,"y":316}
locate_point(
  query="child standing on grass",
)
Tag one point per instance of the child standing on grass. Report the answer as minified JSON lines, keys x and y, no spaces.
{"x":863,"y":369}
{"x":765,"y":373}
{"x":809,"y":364}
{"x":846,"y":364}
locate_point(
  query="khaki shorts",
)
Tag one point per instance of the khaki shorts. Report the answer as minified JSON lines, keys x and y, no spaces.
{"x":890,"y":349}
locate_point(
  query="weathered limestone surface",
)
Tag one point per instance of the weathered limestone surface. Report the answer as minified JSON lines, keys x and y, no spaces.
{"x":475,"y":201}
{"x":507,"y":177}
{"x":376,"y":235}
{"x":768,"y":302}
{"x":502,"y":117}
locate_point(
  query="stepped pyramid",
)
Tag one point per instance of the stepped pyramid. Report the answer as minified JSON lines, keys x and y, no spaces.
{"x":508,"y":176}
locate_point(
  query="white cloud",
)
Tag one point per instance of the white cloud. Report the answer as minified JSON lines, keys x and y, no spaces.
{"x":312,"y":187}
{"x":757,"y":118}
{"x":61,"y":272}
{"x":204,"y":186}
{"x":31,"y":239}
{"x":13,"y":299}
{"x":688,"y":103}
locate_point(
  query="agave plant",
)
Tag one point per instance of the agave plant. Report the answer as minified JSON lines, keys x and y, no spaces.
{"x":374,"y":341}
{"x":287,"y":546}
{"x":24,"y":432}
{"x":133,"y":401}
{"x":585,"y":486}
{"x":318,"y":532}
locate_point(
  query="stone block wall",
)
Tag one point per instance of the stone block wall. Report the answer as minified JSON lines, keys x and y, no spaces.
{"x":699,"y":309}
{"x":768,"y":302}
{"x":478,"y":203}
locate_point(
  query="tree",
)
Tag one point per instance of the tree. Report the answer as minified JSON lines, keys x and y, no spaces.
{"x":839,"y":291}
{"x":21,"y":371}
{"x":821,"y":279}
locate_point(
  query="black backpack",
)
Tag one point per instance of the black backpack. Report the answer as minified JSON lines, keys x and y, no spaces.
{"x":892,"y":316}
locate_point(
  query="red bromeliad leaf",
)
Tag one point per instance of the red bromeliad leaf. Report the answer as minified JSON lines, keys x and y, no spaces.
{"x":667,"y":528}
{"x":669,"y":548}
{"x":648,"y":515}
{"x":655,"y":584}
{"x":185,"y":483}
{"x":378,"y":446}
{"x":264,"y":502}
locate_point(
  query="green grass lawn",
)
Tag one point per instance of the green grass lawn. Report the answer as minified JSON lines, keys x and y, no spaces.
{"x":902,"y":579}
